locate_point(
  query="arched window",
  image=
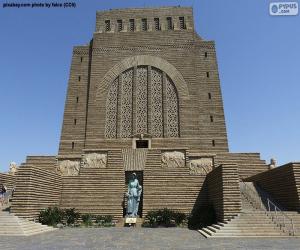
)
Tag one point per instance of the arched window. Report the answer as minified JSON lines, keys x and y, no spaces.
{"x":142,"y":100}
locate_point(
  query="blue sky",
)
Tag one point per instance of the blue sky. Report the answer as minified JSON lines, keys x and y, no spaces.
{"x":258,"y":57}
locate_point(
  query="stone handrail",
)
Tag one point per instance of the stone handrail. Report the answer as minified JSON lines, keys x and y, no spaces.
{"x":281,"y":219}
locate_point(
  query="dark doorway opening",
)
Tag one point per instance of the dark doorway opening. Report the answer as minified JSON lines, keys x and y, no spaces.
{"x":142,"y":144}
{"x":139,"y":175}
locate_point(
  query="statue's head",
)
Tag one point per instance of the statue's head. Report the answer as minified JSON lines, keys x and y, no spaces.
{"x":133,"y":176}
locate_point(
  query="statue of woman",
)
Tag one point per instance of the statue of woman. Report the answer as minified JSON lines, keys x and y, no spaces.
{"x":134,"y":195}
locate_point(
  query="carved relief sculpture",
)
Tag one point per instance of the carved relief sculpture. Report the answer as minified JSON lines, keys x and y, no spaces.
{"x":201,"y":166}
{"x":95,"y":160}
{"x":173,"y":159}
{"x":68,"y":168}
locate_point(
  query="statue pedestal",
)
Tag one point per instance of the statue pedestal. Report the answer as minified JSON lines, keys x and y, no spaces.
{"x":130,"y":221}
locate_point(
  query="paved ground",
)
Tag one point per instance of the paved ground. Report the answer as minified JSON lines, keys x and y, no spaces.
{"x":141,"y":238}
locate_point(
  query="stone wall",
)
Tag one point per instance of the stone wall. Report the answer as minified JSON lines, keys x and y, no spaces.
{"x":43,"y":162}
{"x":96,"y":190}
{"x":282,"y":183}
{"x":248,"y":164}
{"x":35,"y":189}
{"x":224,"y":191}
{"x":7,"y":179}
{"x":171,"y":185}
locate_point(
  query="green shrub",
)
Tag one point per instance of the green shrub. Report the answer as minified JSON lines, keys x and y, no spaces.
{"x":108,"y":218}
{"x":71,"y":216}
{"x":87,"y":219}
{"x":51,"y":216}
{"x":104,"y":220}
{"x":205,"y":216}
{"x":99,"y":219}
{"x":164,"y":217}
{"x":151,"y":217}
{"x":179,"y":218}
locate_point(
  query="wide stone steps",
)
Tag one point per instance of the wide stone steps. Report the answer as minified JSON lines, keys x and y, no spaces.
{"x":249,"y":223}
{"x":12,"y":225}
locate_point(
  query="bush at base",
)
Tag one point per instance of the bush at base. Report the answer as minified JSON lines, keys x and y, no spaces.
{"x":87,"y":219}
{"x":51,"y":216}
{"x":71,"y":216}
{"x":164,"y":217}
{"x":104,"y":221}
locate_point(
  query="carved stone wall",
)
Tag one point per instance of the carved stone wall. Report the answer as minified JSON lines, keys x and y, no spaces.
{"x":156,"y":129}
{"x":142,"y":104}
{"x":173,"y":159}
{"x":68,"y":168}
{"x":142,"y":100}
{"x":94,"y":160}
{"x":201,"y":166}
{"x":111,"y":111}
{"x":126,"y":104}
{"x":172,"y":109}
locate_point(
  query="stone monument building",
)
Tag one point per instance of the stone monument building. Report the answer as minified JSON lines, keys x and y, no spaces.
{"x":143,"y":96}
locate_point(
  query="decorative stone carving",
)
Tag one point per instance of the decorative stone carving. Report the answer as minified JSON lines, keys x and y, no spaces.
{"x":13,"y":168}
{"x":111,"y":111}
{"x":141,"y":100}
{"x":156,"y":127}
{"x":173,"y":159}
{"x":95,"y":160}
{"x":136,"y":102}
{"x":126,"y":104}
{"x":171,"y":109}
{"x":68,"y":168}
{"x":201,"y":166}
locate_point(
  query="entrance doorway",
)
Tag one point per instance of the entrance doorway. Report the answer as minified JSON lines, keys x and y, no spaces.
{"x":139,"y":175}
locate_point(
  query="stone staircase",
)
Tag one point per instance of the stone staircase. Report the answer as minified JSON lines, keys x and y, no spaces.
{"x":250,"y":222}
{"x":289,"y":221}
{"x":11,"y":225}
{"x":295,"y":216}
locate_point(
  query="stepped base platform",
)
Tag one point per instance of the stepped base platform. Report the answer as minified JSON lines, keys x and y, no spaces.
{"x":11,"y":225}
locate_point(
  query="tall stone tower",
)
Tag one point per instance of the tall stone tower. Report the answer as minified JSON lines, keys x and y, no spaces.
{"x":145,"y":72}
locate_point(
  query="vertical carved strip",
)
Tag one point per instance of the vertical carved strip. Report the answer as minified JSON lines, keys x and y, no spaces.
{"x":156,"y":103}
{"x":111,"y":111}
{"x":172,"y":121}
{"x":126,"y":104}
{"x":149,"y":99}
{"x":164,"y":105}
{"x":134,"y":101}
{"x":119,"y":107}
{"x":141,"y":100}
